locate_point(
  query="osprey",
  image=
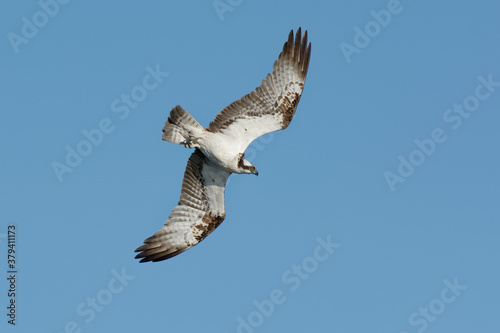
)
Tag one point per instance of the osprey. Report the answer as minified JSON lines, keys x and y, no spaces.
{"x":220,"y":150}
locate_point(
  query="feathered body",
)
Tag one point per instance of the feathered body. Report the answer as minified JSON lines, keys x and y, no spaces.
{"x":220,"y":150}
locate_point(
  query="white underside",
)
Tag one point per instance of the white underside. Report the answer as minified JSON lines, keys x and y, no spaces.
{"x":226,"y":147}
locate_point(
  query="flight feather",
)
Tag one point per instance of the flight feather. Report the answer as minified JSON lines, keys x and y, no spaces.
{"x":271,"y":106}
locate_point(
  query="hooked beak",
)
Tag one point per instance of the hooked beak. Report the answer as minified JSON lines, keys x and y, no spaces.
{"x":255,"y":172}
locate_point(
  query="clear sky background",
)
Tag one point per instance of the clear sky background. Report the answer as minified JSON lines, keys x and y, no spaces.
{"x":414,"y":249}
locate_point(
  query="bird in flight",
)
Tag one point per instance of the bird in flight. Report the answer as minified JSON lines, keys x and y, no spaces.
{"x":220,"y":150}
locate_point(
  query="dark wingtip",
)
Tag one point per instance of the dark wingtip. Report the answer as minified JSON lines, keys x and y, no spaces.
{"x":299,"y":48}
{"x":142,"y":257}
{"x":289,"y":43}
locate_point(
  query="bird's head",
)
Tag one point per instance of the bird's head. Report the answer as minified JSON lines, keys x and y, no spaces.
{"x":246,"y":167}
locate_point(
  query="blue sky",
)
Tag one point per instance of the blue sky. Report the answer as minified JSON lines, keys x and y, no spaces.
{"x":375,"y":211}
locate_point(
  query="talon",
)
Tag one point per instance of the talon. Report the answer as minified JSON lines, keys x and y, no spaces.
{"x":186,"y":143}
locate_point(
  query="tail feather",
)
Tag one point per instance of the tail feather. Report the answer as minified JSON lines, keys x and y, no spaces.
{"x":178,"y":126}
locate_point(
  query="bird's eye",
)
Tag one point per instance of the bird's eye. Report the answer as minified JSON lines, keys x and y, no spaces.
{"x":252,"y":168}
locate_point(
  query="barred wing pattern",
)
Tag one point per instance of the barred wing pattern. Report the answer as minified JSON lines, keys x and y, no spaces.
{"x":199,"y":212}
{"x":271,"y":106}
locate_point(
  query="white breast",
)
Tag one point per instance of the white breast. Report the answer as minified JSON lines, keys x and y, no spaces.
{"x":220,"y":149}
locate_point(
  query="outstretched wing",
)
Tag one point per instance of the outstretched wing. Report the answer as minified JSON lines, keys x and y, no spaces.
{"x":271,"y":106}
{"x":199,"y":212}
